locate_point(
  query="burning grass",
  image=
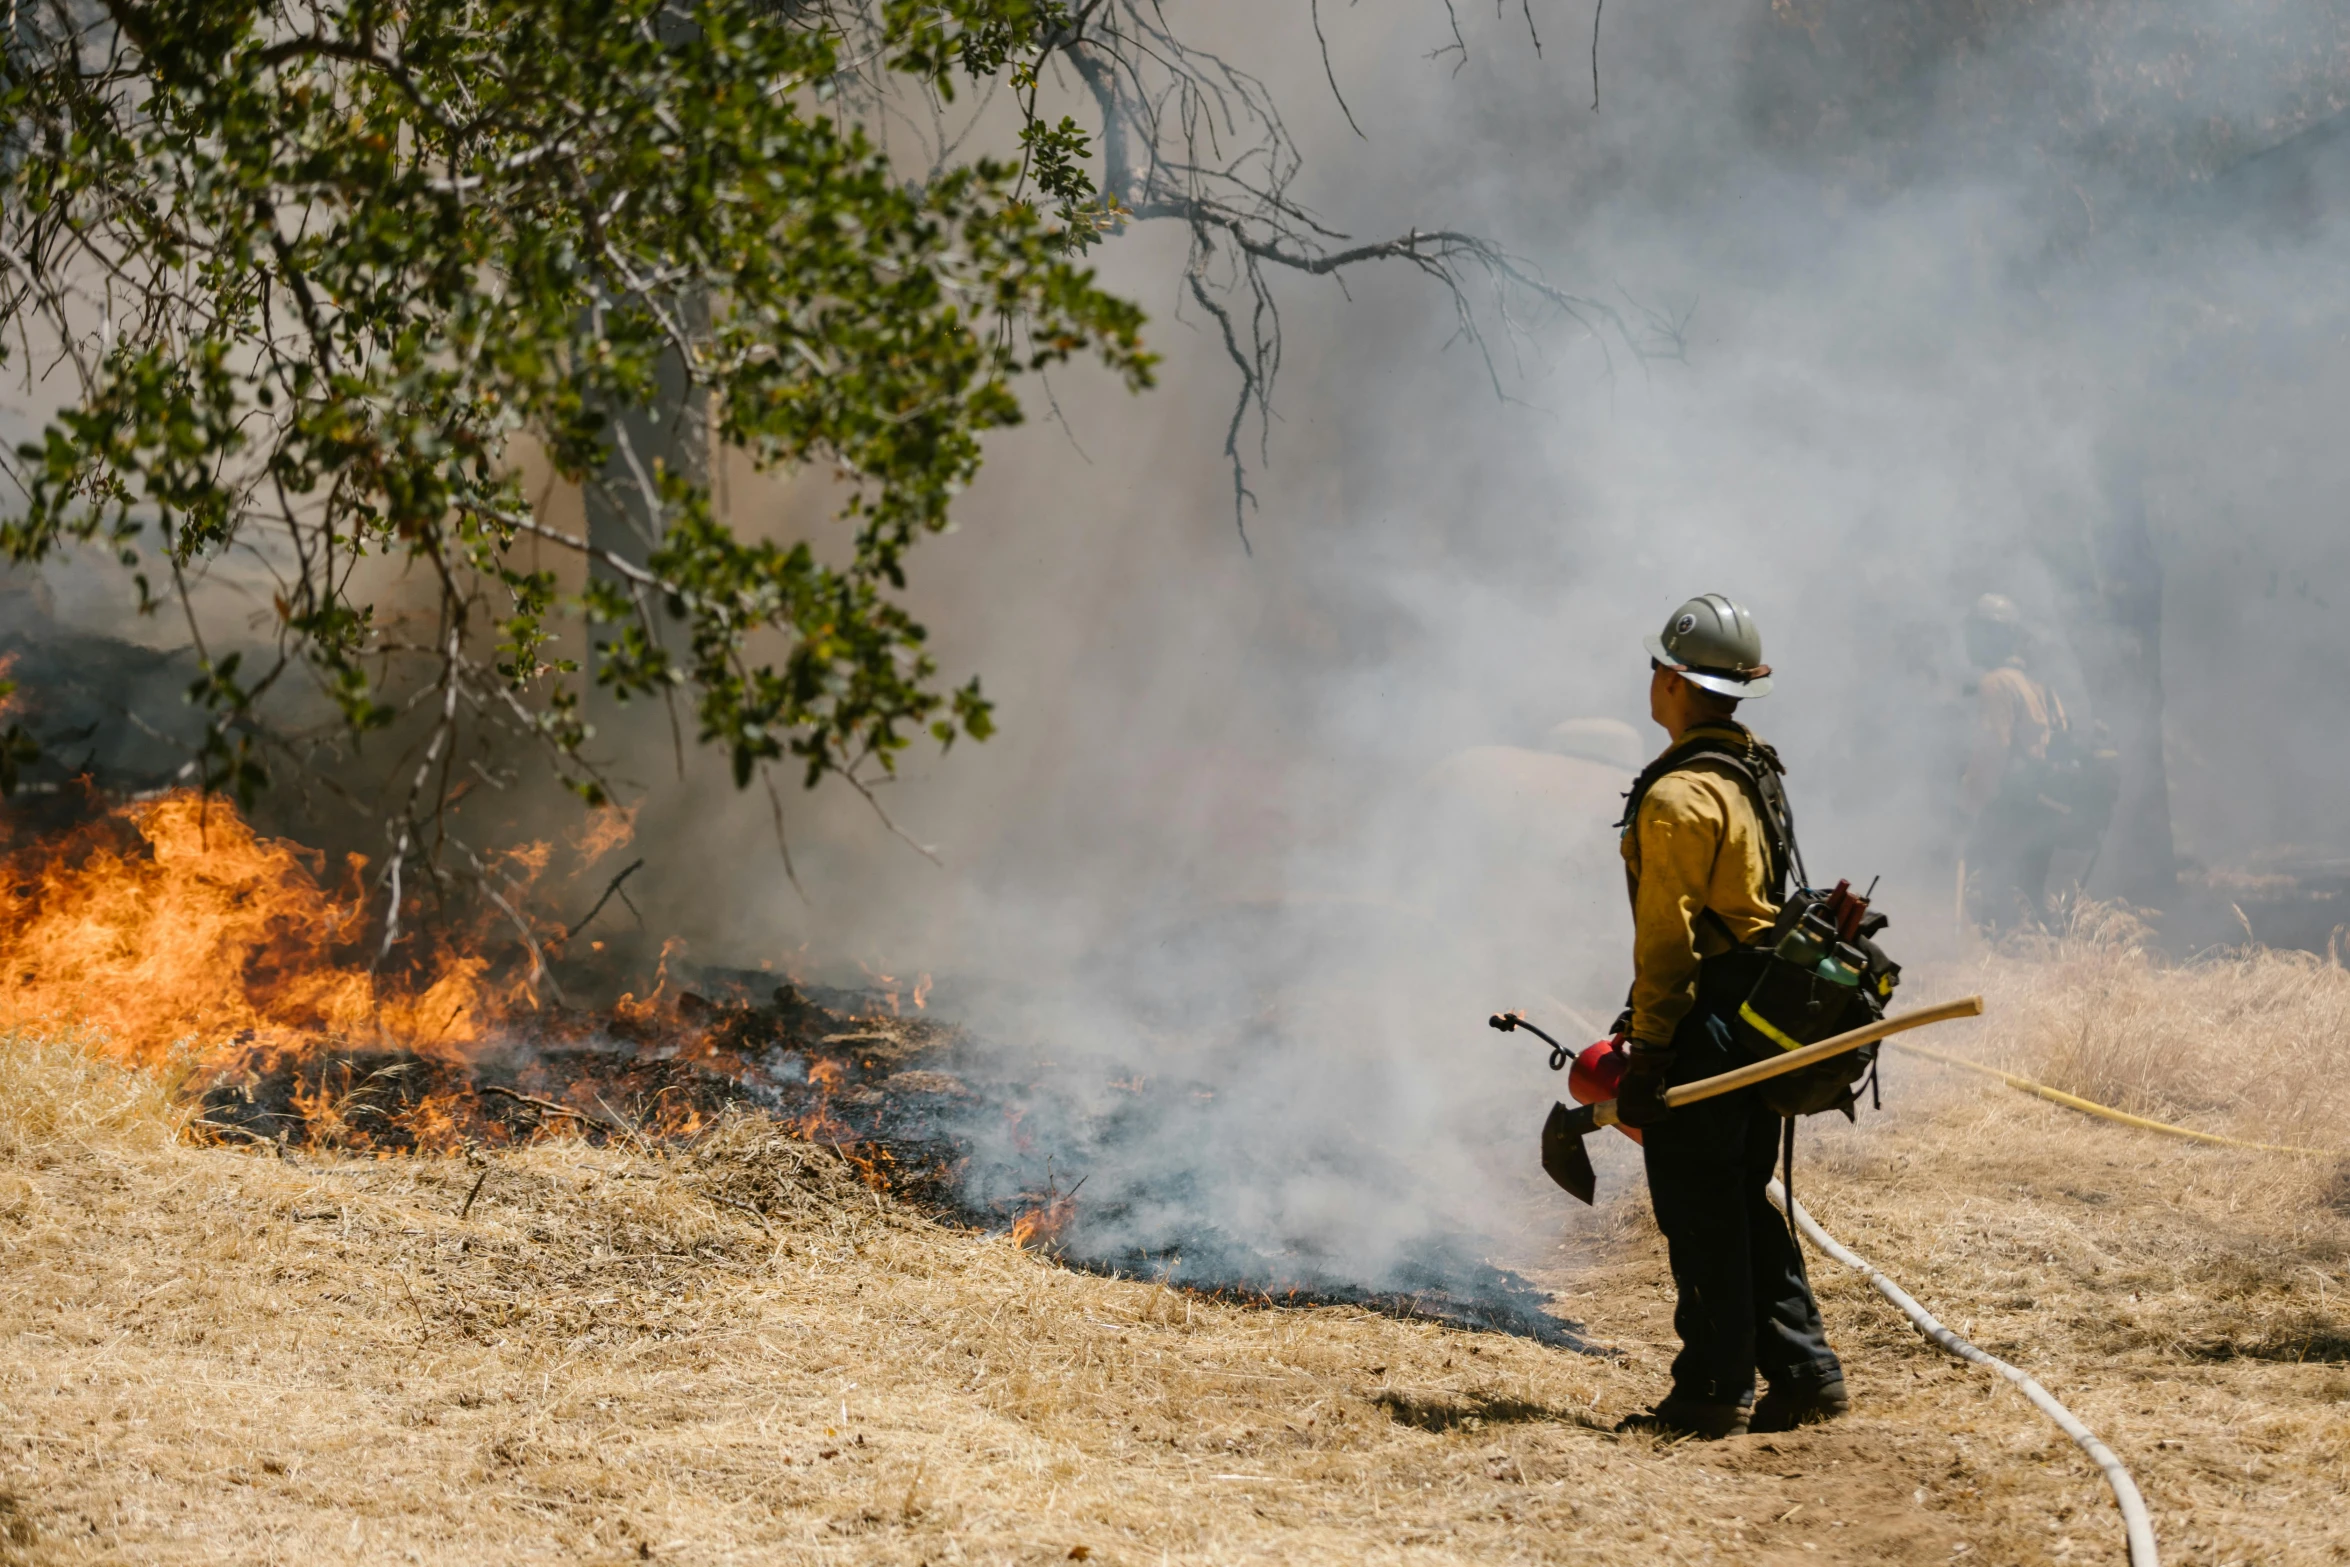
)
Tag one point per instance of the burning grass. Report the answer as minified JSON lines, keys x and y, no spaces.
{"x":174,"y":938}
{"x":168,"y":927}
{"x":733,"y":1348}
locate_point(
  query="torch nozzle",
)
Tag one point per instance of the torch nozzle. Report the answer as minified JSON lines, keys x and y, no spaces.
{"x":1509,"y":1022}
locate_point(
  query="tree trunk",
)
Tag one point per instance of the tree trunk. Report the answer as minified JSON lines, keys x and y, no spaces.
{"x":672,"y":435}
{"x":624,"y":517}
{"x":2116,"y":626}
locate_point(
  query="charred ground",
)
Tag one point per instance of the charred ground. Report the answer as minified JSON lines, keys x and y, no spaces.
{"x":898,"y":1098}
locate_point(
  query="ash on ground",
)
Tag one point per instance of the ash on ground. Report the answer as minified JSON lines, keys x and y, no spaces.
{"x":922,"y":1110}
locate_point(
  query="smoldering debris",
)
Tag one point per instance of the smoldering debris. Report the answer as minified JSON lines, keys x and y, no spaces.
{"x":915,"y":1106}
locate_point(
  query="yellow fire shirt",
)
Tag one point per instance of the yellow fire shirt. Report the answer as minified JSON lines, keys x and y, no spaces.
{"x":1697,"y":844}
{"x":2017,"y":716}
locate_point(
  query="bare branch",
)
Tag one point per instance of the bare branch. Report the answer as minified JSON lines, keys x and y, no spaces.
{"x":610,"y":888}
{"x":1189,"y":138}
{"x":782,"y":840}
{"x":1328,"y":73}
{"x":1597,"y":6}
{"x":897,"y":832}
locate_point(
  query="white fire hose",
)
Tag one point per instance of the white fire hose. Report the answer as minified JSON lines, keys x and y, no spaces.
{"x":2135,"y":1521}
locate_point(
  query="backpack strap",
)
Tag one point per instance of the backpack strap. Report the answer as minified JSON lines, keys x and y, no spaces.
{"x":1759,"y":769}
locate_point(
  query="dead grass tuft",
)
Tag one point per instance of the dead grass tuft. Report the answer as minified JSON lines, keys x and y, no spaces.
{"x":2252,"y":1044}
{"x":16,"y":1530}
{"x":55,"y":1090}
{"x":751,"y":1164}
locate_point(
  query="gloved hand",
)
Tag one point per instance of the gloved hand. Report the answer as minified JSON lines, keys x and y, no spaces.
{"x":1640,"y":1098}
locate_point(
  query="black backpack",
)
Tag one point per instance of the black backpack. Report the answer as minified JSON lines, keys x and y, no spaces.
{"x":2065,"y":798}
{"x":1816,"y":972}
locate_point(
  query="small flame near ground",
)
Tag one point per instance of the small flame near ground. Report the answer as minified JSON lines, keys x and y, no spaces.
{"x":887,"y":986}
{"x":1049,"y":1213}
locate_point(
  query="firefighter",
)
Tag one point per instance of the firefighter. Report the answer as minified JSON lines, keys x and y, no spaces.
{"x":1707,"y":873}
{"x":2013,"y":816}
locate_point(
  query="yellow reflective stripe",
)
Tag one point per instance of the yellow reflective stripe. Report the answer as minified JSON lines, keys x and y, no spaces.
{"x":1762,"y":1026}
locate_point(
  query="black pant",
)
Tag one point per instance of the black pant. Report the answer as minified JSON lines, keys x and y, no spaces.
{"x":2008,"y":853}
{"x":1744,"y":1303}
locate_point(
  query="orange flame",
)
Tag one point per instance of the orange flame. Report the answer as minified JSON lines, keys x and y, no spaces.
{"x":611,"y":827}
{"x":1042,"y":1225}
{"x":179,"y":936}
{"x":887,"y":984}
{"x":629,"y":1006}
{"x":187,"y":931}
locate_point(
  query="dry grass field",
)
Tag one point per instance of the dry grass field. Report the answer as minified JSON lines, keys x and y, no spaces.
{"x":737,"y":1353}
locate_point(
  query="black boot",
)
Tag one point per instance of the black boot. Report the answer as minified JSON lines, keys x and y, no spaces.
{"x":1790,"y":1404}
{"x":1677,"y":1418}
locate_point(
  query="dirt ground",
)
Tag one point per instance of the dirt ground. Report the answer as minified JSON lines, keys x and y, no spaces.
{"x":740,"y":1354}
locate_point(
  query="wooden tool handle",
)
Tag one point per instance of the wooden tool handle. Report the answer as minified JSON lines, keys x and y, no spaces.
{"x":1796,"y":1060}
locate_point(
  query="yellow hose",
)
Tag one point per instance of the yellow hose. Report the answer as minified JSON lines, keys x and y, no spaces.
{"x":2107,"y":1112}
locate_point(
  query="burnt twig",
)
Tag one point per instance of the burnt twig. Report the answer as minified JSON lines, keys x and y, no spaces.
{"x":478,"y":1180}
{"x":1597,"y":7}
{"x":550,"y":1107}
{"x":223,"y":1126}
{"x":610,"y":888}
